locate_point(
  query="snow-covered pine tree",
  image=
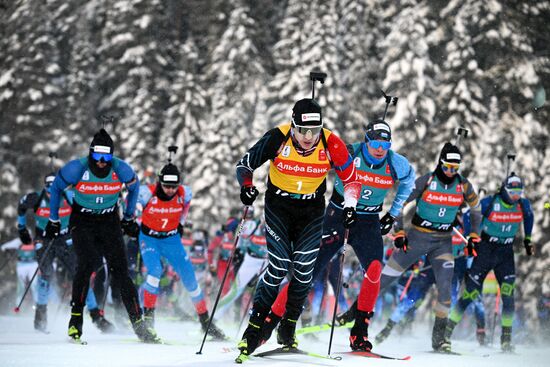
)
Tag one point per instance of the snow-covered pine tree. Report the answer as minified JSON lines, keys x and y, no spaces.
{"x":235,"y":77}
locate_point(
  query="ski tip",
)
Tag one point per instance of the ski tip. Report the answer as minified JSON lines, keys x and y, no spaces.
{"x":16,"y":309}
{"x":406,"y":358}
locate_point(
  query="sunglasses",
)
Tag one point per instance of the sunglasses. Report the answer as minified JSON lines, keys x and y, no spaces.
{"x":106,"y":157}
{"x":450,"y":167}
{"x":314,"y":130}
{"x":377,"y":144}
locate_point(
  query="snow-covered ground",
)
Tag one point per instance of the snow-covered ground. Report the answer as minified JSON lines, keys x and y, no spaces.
{"x":21,"y":346}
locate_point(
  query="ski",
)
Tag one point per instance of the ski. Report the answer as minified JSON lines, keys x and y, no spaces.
{"x":375,"y":355}
{"x":453,"y":353}
{"x":322,"y":327}
{"x":287,"y":350}
{"x":78,"y":341}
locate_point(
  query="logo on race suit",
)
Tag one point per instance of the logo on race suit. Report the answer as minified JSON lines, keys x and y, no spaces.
{"x":497,"y":207}
{"x":322,"y":155}
{"x":357,"y":162}
{"x":114,"y":176}
{"x":286,"y":151}
{"x":154,"y":200}
{"x":387,"y":168}
{"x":86,"y":176}
{"x":433,"y":185}
{"x":458,"y":188}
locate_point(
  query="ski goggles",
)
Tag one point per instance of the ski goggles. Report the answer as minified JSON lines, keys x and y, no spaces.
{"x":514,"y":191}
{"x":450,"y":167}
{"x":377,"y":144}
{"x":313,"y":130}
{"x":106,"y":157}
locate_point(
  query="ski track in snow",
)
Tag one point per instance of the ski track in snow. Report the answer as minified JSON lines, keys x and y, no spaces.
{"x":21,"y":346}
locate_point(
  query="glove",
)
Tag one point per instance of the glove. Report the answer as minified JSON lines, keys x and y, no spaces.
{"x":180,"y":229}
{"x":238,"y":258}
{"x":386,"y":223}
{"x":401,"y":241}
{"x":529,"y":249}
{"x":24,"y":235}
{"x":52,"y":229}
{"x":473,"y":240}
{"x":248,"y":194}
{"x":349,"y":216}
{"x":130,"y":227}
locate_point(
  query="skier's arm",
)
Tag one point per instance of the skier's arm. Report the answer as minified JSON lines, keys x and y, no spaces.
{"x":266,"y":148}
{"x":186,"y":203}
{"x":68,"y":175}
{"x":528,"y":217}
{"x":417,"y":190}
{"x":405,"y":175}
{"x":345,"y":169}
{"x":475,"y":208}
{"x":27,"y":202}
{"x":127,"y":176}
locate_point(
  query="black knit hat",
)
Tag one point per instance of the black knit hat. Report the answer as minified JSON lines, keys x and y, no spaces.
{"x":102,"y":143}
{"x":169,"y":175}
{"x":450,"y":154}
{"x":307,"y":112}
{"x":378,"y":130}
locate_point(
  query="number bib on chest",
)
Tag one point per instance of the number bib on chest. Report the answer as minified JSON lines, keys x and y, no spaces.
{"x":294,"y":173}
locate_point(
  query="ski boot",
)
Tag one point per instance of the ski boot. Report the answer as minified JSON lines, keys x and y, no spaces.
{"x":214,"y":331}
{"x":101,"y":322}
{"x":440,"y":343}
{"x":286,"y":333}
{"x":251,"y":337}
{"x":270,"y":323}
{"x":75,"y":325}
{"x":359,"y":334}
{"x":41,"y":318}
{"x":149,"y":317}
{"x":385,"y":332}
{"x":144,"y":333}
{"x":480,"y":335}
{"x":348,"y":316}
{"x":506,"y":340}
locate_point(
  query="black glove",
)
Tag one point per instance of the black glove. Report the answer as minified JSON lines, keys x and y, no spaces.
{"x":248,"y":194}
{"x":238,"y":258}
{"x":130,"y":227}
{"x":528,"y":246}
{"x":473,"y":240}
{"x":24,"y":235}
{"x":52,"y":229}
{"x":386,"y":223}
{"x":180,"y":229}
{"x":401,"y":241}
{"x":349,"y":216}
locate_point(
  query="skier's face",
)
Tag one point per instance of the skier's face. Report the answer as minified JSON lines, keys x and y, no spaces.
{"x":308,"y":139}
{"x":449,"y":169}
{"x":169,"y":190}
{"x":377,"y":153}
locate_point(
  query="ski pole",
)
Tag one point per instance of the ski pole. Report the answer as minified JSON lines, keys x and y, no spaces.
{"x":44,"y":256}
{"x":346,"y":235}
{"x":495,"y":314}
{"x":457,"y":232}
{"x":406,"y":288}
{"x":245,"y":211}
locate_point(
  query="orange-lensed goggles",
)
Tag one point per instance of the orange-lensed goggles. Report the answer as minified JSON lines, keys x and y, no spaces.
{"x":450,"y":167}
